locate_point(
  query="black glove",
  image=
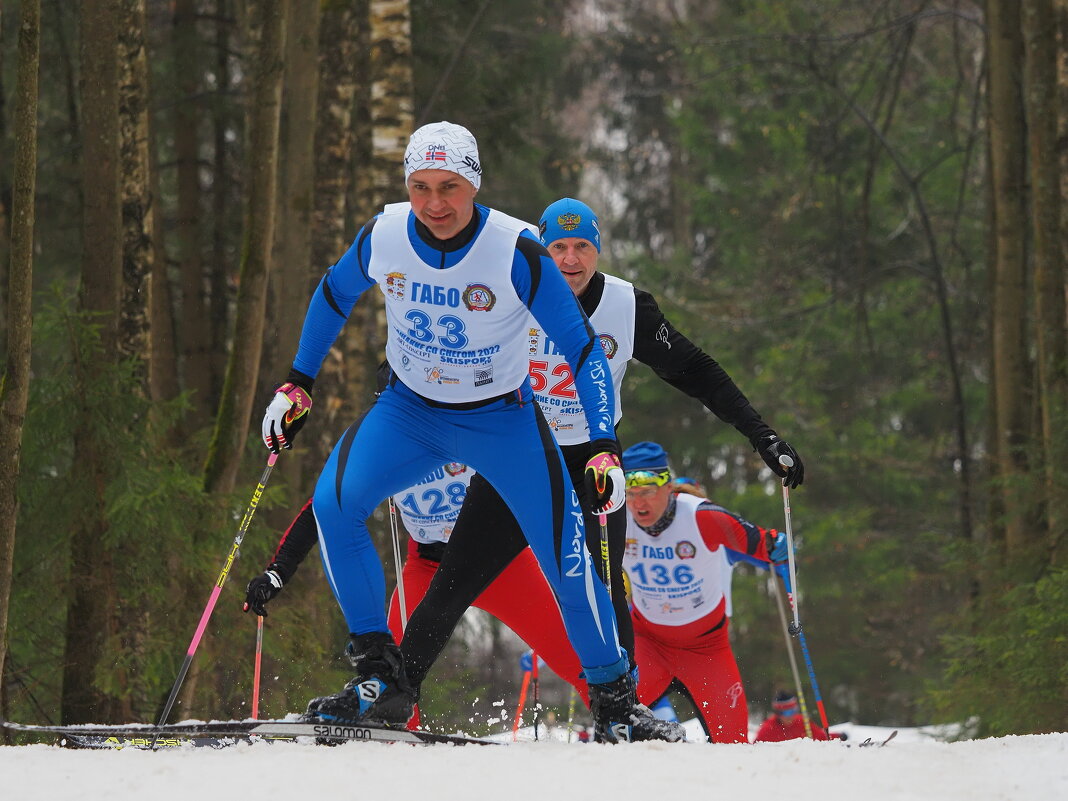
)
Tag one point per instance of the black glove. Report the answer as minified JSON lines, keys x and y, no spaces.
{"x":770,"y":448}
{"x":262,"y":589}
{"x":603,"y":477}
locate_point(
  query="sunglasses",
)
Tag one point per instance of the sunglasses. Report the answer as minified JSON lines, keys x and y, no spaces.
{"x":647,"y":478}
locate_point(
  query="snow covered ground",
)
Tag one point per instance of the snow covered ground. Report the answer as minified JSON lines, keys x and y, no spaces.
{"x":912,"y":766}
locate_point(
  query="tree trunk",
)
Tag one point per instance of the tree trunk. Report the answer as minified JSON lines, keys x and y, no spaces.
{"x":14,"y":390}
{"x":1008,"y":173}
{"x":1061,"y":14}
{"x":232,"y":423}
{"x":92,"y":597}
{"x":344,"y":23}
{"x":391,"y":121}
{"x":391,"y":94}
{"x":293,"y":276}
{"x":163,"y":381}
{"x":194,"y":327}
{"x":5,"y":220}
{"x":1040,"y":37}
{"x":137,"y":199}
{"x":223,"y":193}
{"x":163,"y":384}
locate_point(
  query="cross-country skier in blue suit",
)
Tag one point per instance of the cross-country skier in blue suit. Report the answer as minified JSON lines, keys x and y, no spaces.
{"x":461,"y":283}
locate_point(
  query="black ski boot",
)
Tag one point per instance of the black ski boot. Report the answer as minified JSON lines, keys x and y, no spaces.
{"x":379,"y":672}
{"x":619,"y":718}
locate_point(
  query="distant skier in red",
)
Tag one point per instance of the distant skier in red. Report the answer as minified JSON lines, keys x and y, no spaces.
{"x":786,"y":722}
{"x":676,"y":558}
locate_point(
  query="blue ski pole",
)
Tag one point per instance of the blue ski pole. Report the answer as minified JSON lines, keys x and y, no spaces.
{"x":808,"y":664}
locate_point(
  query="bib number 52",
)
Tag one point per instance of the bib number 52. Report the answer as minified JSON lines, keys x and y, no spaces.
{"x":562,"y":388}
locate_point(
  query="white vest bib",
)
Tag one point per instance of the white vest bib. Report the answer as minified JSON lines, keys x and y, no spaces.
{"x":674,"y":577}
{"x":551,"y":376}
{"x":454,"y":335}
{"x":429,"y":509}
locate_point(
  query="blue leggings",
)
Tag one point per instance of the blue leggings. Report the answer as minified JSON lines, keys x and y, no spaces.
{"x":398,"y":442}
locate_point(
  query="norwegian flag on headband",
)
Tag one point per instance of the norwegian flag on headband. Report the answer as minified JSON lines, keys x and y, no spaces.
{"x":444,"y":146}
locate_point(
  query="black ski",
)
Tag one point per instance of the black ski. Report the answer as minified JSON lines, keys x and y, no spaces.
{"x":222,"y":734}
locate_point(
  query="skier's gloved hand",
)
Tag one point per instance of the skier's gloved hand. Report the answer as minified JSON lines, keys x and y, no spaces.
{"x":260,"y":590}
{"x":287,"y":411}
{"x":526,"y":662}
{"x":770,"y":448}
{"x":605,"y":485}
{"x":779,"y":552}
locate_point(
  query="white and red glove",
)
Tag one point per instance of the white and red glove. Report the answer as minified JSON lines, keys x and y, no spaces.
{"x":285,"y":415}
{"x":606,"y":487}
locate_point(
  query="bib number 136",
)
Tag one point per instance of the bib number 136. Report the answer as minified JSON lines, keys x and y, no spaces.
{"x":661,"y":576}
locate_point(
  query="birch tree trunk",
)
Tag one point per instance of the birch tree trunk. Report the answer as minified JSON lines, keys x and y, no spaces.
{"x":392,"y":116}
{"x":232,"y":423}
{"x":391,"y":121}
{"x":14,"y":390}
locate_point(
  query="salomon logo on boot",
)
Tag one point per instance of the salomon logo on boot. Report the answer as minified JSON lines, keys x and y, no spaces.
{"x":621,"y":732}
{"x":369,"y":691}
{"x":380,"y":678}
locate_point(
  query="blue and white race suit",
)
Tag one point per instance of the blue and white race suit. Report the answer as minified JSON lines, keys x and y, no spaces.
{"x":458,"y":320}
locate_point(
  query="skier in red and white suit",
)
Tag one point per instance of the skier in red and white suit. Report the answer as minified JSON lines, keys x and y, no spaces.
{"x":676,"y":549}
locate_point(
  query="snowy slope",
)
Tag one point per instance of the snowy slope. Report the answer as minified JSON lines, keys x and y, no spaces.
{"x":1032,"y":768}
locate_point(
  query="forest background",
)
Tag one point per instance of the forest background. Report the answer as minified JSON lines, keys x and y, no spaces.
{"x":856,"y":207}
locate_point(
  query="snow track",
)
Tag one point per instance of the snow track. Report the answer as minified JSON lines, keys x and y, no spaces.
{"x":1031,"y":768}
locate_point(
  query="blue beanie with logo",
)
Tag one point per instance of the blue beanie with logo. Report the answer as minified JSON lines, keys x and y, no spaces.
{"x":645,"y":456}
{"x":569,"y":217}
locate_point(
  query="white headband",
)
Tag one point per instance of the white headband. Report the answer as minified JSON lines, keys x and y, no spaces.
{"x":443,"y":146}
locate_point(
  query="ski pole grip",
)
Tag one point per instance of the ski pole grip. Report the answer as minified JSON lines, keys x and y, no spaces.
{"x":786,"y":461}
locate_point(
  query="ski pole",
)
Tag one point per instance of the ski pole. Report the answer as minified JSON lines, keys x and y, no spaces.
{"x":219,"y":582}
{"x":793,"y":657}
{"x":602,"y":518}
{"x":571,"y":713}
{"x":534,"y":680}
{"x":397,"y":562}
{"x":522,"y":703}
{"x":795,"y":626}
{"x":811,"y":670}
{"x":256,"y":671}
{"x":394,"y":532}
